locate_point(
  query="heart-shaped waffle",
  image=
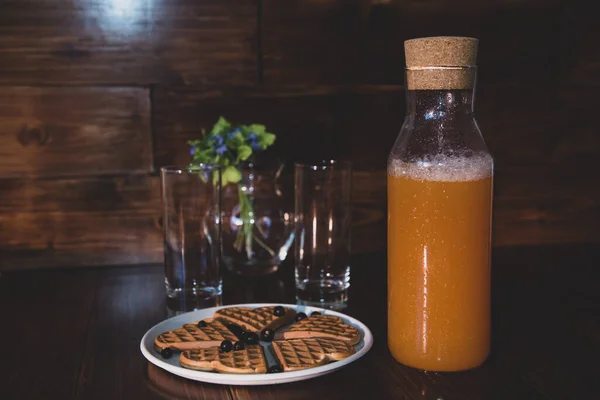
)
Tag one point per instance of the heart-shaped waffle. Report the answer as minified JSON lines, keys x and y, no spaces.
{"x":250,"y":360}
{"x":191,"y":336}
{"x":255,"y":319}
{"x":297,"y":354}
{"x":328,"y":326}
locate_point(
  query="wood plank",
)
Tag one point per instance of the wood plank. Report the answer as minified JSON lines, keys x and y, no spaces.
{"x":530,"y":207}
{"x":311,"y":122}
{"x":581,"y":53}
{"x":524,"y":125}
{"x":546,"y":323}
{"x":92,"y":194}
{"x":361,"y":41}
{"x":131,"y":42}
{"x":545,"y":142}
{"x":104,"y":221}
{"x":48,"y":314}
{"x":58,"y":240}
{"x":54,"y":131}
{"x":92,"y":221}
{"x":168,"y":386}
{"x":369,"y":211}
{"x":301,"y":118}
{"x":549,"y":127}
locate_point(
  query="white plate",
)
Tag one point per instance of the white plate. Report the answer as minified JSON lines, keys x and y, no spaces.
{"x":172,"y":364}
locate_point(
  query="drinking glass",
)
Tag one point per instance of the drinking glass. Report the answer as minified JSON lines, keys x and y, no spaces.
{"x":323,"y":221}
{"x":192,"y":236}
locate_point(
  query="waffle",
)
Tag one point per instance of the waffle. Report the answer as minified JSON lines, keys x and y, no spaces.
{"x":251,"y":360}
{"x":297,"y":354}
{"x":255,"y":319}
{"x":190,"y":336}
{"x":328,"y":326}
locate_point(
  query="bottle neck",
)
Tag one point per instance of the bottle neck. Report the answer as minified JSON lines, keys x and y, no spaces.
{"x":436,"y":105}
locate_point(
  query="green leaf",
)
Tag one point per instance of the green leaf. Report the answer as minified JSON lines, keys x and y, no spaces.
{"x":231,"y":175}
{"x":266,"y":139}
{"x":256,"y":128}
{"x":203,"y":156}
{"x":236,"y":140}
{"x":244,"y":152}
{"x":222,"y":126}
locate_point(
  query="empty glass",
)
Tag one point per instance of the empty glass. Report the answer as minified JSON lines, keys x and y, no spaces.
{"x":192,"y":236}
{"x":323,"y":221}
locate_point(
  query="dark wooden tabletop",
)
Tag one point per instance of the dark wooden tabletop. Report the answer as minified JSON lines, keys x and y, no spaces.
{"x":76,"y":333}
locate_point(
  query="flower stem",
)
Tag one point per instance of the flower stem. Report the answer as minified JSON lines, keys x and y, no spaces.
{"x":247,"y":217}
{"x":246,"y":233}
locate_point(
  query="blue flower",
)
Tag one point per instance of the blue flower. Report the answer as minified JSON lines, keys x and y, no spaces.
{"x":218,"y":144}
{"x":192,"y":151}
{"x":221,"y":149}
{"x":253,"y":140}
{"x":216,"y":141}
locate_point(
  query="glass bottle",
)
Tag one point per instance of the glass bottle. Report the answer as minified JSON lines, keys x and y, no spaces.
{"x":439,"y":214}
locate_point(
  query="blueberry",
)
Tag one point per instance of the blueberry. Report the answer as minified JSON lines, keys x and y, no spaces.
{"x":279,"y":311}
{"x":315,"y":313}
{"x":236,"y":330}
{"x":202,"y":324}
{"x":239,"y":345}
{"x":166,"y":352}
{"x":251,"y":338}
{"x":300,"y":316}
{"x":226,"y":346}
{"x":267,"y":335}
{"x":274,"y":369}
{"x":243,"y":336}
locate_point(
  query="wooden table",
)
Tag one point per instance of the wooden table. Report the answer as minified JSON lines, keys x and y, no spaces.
{"x":75,"y":334}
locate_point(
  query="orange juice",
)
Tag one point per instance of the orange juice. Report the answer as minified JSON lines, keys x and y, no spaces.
{"x":439,"y":231}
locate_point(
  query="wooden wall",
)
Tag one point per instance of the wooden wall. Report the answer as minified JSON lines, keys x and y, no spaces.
{"x":96,"y":94}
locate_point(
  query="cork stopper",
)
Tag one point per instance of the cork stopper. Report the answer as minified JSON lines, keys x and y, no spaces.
{"x":437,"y":63}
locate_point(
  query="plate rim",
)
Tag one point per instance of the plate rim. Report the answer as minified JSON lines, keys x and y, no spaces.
{"x":256,"y":379}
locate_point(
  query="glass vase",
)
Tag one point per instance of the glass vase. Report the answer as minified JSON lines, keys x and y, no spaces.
{"x":258,"y":229}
